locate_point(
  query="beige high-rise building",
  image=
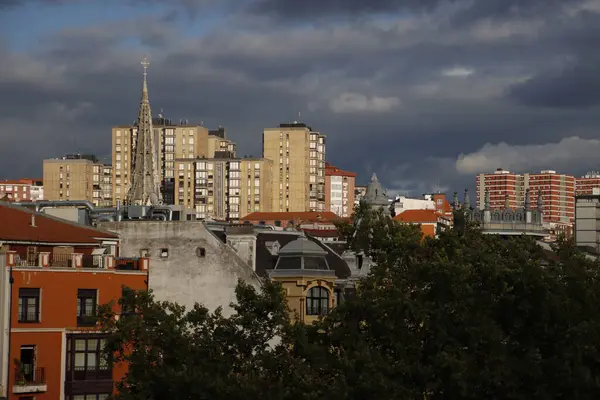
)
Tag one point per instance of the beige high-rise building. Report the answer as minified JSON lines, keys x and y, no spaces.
{"x":223,"y":188}
{"x":173,"y":142}
{"x":77,"y":177}
{"x":298,"y":156}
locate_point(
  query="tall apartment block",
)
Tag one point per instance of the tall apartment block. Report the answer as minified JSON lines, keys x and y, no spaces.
{"x":558,"y":192}
{"x":500,"y":183}
{"x":173,"y":141}
{"x":339,"y":191}
{"x":224,"y":188}
{"x":587,"y":183}
{"x":78,"y":177}
{"x":298,"y":156}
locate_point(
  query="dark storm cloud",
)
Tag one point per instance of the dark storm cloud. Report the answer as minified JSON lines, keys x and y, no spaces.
{"x":577,"y":86}
{"x":447,"y":82}
{"x":8,"y":4}
{"x":470,"y":10}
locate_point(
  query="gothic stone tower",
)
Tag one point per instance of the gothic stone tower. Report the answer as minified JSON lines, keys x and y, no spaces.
{"x":145,"y":181}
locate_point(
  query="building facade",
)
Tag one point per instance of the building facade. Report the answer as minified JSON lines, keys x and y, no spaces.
{"x":505,"y":221}
{"x":53,"y":275}
{"x":558,"y":192}
{"x":102,"y":185}
{"x":298,"y":156}
{"x":587,"y":183}
{"x":21,"y":190}
{"x":429,"y":220}
{"x":587,"y":224}
{"x":224,"y":188}
{"x":77,"y":177}
{"x":339,"y":191}
{"x":499,"y":184}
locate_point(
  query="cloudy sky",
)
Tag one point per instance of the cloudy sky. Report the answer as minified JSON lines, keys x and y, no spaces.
{"x":426,"y":93}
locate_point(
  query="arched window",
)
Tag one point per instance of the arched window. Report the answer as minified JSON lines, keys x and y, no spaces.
{"x":317,"y":301}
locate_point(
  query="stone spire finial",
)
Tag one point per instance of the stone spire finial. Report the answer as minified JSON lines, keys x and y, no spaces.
{"x":374,"y":177}
{"x":455,"y":201}
{"x":145,"y":178}
{"x":506,"y":202}
{"x":539,"y":201}
{"x":487,"y":201}
{"x":145,"y":63}
{"x":527,"y":199}
{"x":467,"y":200}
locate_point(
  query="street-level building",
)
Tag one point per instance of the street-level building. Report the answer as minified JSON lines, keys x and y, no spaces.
{"x":53,"y":276}
{"x":339,"y":191}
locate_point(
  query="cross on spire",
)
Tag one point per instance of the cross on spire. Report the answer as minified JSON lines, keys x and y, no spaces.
{"x":145,"y":64}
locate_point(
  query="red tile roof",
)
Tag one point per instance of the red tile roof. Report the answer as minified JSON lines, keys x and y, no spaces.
{"x":335,"y":171}
{"x":15,"y":225}
{"x":418,"y":216}
{"x":299,"y":216}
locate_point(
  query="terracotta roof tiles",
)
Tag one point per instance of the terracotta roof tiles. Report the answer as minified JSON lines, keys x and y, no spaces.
{"x":299,"y":216}
{"x":15,"y":225}
{"x":416,"y":216}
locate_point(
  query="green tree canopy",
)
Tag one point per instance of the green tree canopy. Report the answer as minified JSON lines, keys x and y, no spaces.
{"x":464,"y":316}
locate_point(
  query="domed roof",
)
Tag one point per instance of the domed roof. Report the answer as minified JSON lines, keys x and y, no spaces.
{"x":302,"y":247}
{"x":302,"y":254}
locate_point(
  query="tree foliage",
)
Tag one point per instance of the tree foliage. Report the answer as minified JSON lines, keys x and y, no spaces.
{"x":463,"y":316}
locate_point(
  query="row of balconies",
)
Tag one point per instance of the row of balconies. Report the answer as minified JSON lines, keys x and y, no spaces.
{"x":75,"y":261}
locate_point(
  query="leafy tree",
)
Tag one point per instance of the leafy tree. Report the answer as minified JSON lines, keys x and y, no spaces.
{"x":463,"y":316}
{"x":177,"y":354}
{"x":472,"y":316}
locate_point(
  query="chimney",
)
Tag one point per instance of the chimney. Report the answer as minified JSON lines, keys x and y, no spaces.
{"x":32,"y":219}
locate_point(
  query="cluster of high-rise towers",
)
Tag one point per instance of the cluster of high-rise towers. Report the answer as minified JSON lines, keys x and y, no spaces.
{"x":156,"y":160}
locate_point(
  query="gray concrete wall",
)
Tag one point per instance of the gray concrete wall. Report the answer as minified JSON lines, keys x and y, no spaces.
{"x":183,"y":275}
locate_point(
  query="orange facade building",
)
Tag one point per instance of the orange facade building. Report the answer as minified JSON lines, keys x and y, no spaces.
{"x":431,"y":222}
{"x":54,"y":275}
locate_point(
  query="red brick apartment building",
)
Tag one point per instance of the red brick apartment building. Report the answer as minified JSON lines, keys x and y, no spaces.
{"x":21,"y":190}
{"x":587,"y":183}
{"x":558,"y":192}
{"x":339,"y":191}
{"x":53,"y":276}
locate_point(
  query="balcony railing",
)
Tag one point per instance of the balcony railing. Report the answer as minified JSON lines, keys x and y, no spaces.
{"x":30,"y":380}
{"x":60,"y":260}
{"x":76,"y":261}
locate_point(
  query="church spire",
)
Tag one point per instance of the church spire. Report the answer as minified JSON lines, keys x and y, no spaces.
{"x":145,"y":180}
{"x":145,"y":98}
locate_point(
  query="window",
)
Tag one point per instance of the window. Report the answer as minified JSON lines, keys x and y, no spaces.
{"x":86,"y":307}
{"x":27,"y":361}
{"x":86,"y":359}
{"x":201,"y":252}
{"x":100,"y":396}
{"x":164,"y":253}
{"x":29,"y":305}
{"x":317,"y":301}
